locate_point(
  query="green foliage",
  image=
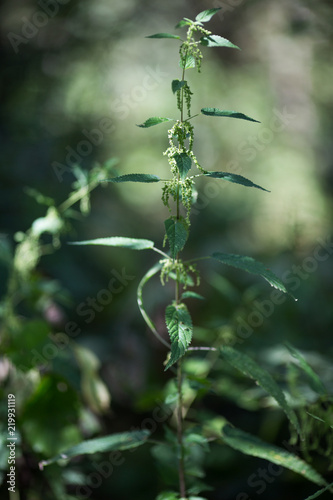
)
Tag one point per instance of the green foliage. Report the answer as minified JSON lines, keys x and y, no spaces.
{"x":181,"y":455}
{"x":192,"y":295}
{"x":163,"y":35}
{"x":58,"y":396}
{"x":250,"y":265}
{"x":51,"y":408}
{"x":179,"y":325}
{"x":206,"y":15}
{"x":320,"y":492}
{"x":177,"y":85}
{"x":43,"y":373}
{"x":262,"y":377}
{"x":153,"y":121}
{"x":251,"y":445}
{"x":135,"y":178}
{"x":314,"y":381}
{"x":228,"y":114}
{"x":237,"y":179}
{"x":184,"y":163}
{"x":217,"y":41}
{"x":121,"y":441}
{"x":118,"y":241}
{"x":177,"y":235}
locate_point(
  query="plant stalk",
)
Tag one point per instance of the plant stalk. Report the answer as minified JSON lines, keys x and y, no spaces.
{"x":181,"y":451}
{"x":181,"y":464}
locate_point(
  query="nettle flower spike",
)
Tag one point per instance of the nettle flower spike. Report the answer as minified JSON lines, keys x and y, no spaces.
{"x":177,"y":195}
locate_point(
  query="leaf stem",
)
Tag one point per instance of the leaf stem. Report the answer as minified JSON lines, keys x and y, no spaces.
{"x":181,"y":451}
{"x":154,"y":270}
{"x":161,"y":252}
{"x":78,"y":195}
{"x":197,"y":259}
{"x":190,"y":118}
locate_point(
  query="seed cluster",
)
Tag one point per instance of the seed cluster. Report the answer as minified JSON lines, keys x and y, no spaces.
{"x":180,"y":188}
{"x":189,"y":50}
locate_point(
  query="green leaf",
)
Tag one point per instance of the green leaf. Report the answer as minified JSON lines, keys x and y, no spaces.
{"x":177,"y":234}
{"x":228,"y":114}
{"x":237,"y":179}
{"x":206,"y":15}
{"x":168,"y":495}
{"x":184,"y":163}
{"x":189,"y":62}
{"x":320,"y":492}
{"x":179,"y":325}
{"x":314,"y":381}
{"x":251,"y":445}
{"x":29,"y":337}
{"x":177,"y":85}
{"x":192,"y":295}
{"x":134,"y":178}
{"x":251,"y":266}
{"x":118,"y":241}
{"x":263,"y":378}
{"x":50,"y":416}
{"x":149,"y":274}
{"x":217,"y":41}
{"x":120,"y":441}
{"x":163,"y":35}
{"x":183,"y":22}
{"x":154,"y":120}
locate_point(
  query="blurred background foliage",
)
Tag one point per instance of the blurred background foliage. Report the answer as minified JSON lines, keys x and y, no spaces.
{"x":83,"y":71}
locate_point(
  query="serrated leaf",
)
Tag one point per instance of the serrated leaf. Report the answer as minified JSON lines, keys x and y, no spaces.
{"x":251,"y":445}
{"x":192,"y":295}
{"x":189,"y":62}
{"x":134,"y":178}
{"x":183,"y":22}
{"x":262,"y":377}
{"x":251,"y":266}
{"x":206,"y":15}
{"x":179,"y":325}
{"x":154,"y":120}
{"x":184,"y":163}
{"x":149,"y":274}
{"x":118,"y":241}
{"x":314,"y":381}
{"x":163,"y":35}
{"x":177,"y":234}
{"x":228,"y":114}
{"x":236,"y":178}
{"x":177,"y":85}
{"x":217,"y":41}
{"x":120,"y":441}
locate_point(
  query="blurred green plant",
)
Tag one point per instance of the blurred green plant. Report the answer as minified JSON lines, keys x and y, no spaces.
{"x":52,"y":404}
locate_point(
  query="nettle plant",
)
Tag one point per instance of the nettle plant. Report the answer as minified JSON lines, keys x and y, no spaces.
{"x":181,"y":455}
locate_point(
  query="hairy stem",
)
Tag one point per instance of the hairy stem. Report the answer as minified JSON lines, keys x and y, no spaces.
{"x":181,"y":465}
{"x":181,"y":451}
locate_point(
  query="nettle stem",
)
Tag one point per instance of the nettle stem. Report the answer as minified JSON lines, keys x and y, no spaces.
{"x":181,"y":451}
